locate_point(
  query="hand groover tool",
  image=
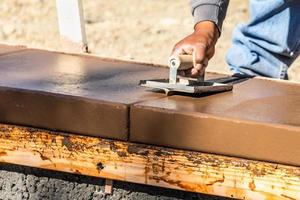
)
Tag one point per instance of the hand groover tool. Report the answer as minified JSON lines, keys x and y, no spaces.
{"x":176,"y":83}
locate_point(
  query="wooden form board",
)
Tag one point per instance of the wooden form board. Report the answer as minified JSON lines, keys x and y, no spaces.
{"x":71,"y":25}
{"x":158,"y":166}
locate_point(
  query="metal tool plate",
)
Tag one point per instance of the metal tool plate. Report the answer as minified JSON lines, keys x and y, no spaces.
{"x":186,"y":86}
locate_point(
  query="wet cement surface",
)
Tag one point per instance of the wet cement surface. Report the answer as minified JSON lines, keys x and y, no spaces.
{"x":259,"y":119}
{"x":79,"y":94}
{"x":255,"y":100}
{"x":82,"y":76}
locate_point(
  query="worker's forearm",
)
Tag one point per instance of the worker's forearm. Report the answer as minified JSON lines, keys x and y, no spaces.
{"x":209,"y":10}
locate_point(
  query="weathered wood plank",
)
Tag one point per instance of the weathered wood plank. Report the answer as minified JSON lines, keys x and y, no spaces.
{"x":163,"y":167}
{"x":108,"y":186}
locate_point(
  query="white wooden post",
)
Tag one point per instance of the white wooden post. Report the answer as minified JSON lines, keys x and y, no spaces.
{"x":71,"y":26}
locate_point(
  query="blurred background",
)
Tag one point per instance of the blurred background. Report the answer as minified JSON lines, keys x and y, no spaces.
{"x":141,"y":30}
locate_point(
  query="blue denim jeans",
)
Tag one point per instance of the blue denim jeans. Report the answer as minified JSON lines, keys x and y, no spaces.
{"x":270,"y":42}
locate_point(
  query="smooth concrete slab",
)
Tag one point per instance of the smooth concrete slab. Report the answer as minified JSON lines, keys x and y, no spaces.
{"x":6,"y":49}
{"x":79,"y":94}
{"x":259,"y":119}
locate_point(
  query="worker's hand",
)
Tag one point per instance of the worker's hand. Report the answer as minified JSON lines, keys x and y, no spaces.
{"x":200,"y":44}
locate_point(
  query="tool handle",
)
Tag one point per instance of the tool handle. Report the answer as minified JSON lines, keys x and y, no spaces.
{"x":181,"y":62}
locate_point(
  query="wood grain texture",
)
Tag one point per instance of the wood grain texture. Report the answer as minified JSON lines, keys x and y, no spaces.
{"x":163,"y":167}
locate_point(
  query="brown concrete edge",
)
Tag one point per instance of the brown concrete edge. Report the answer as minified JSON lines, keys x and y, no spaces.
{"x":13,"y":52}
{"x":80,"y":115}
{"x":13,"y":45}
{"x":18,"y":48}
{"x":217,"y":135}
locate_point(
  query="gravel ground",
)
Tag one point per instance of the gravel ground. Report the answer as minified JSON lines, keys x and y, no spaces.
{"x":18,"y":182}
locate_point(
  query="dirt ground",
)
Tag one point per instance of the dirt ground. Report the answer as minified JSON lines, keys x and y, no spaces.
{"x":142,"y":30}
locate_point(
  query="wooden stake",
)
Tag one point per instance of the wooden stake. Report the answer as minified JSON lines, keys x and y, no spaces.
{"x":108,"y":186}
{"x":158,"y":166}
{"x":71,"y":26}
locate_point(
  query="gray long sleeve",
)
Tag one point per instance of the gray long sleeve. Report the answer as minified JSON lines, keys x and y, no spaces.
{"x":209,"y":10}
